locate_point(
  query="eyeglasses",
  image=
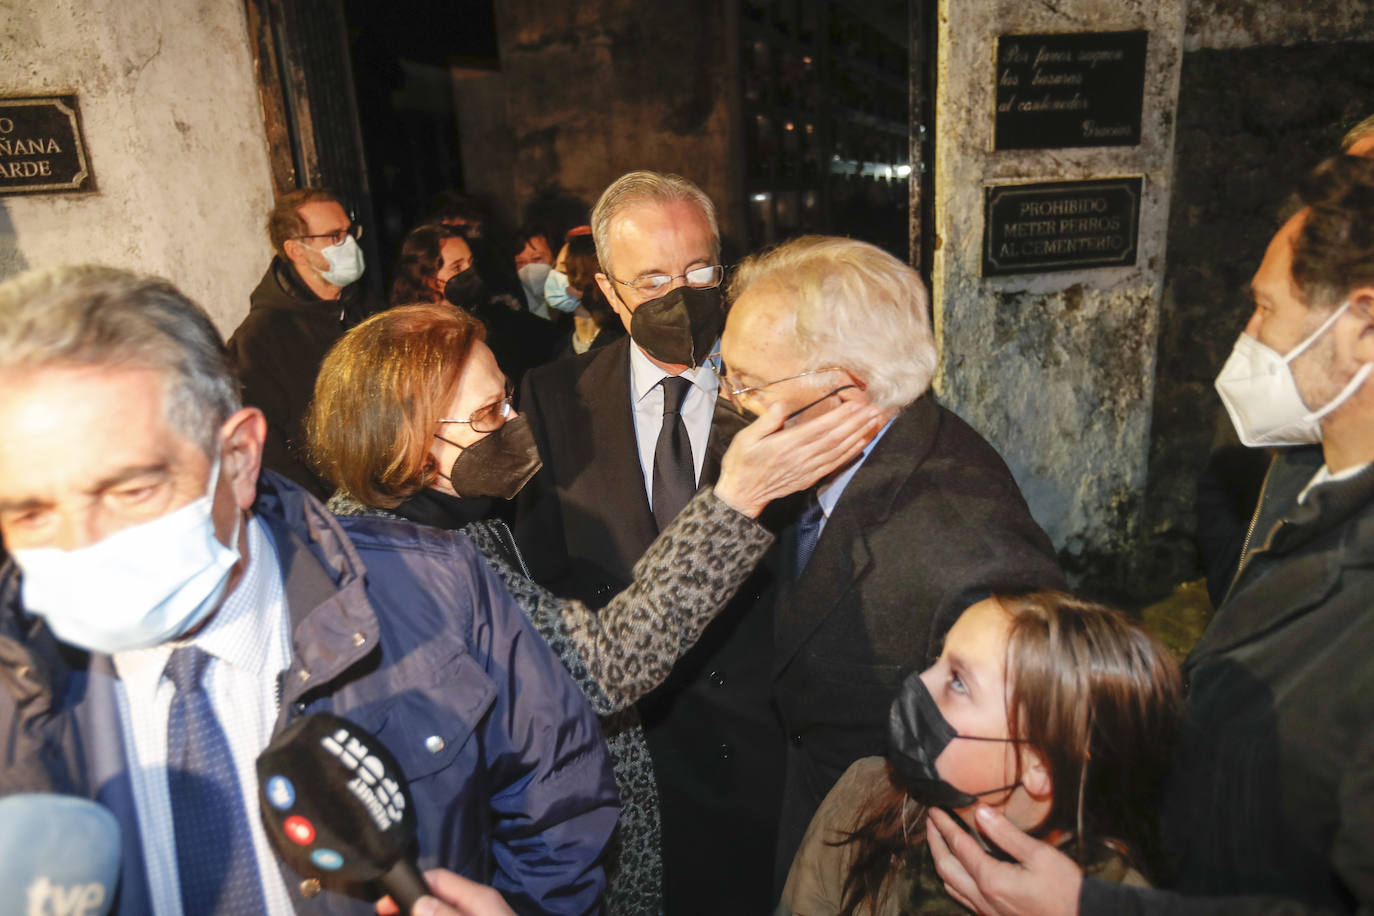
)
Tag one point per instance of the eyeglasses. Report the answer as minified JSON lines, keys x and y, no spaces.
{"x":337,"y":236}
{"x":700,"y":277}
{"x":490,"y":418}
{"x":735,"y":390}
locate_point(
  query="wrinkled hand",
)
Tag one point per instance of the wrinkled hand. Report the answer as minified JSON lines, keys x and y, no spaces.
{"x":1042,"y":882}
{"x":766,"y":461}
{"x":454,"y":895}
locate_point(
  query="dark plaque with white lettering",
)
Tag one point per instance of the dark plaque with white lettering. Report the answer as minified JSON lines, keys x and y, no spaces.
{"x":1082,"y":89}
{"x":41,"y":147}
{"x":1060,"y":225}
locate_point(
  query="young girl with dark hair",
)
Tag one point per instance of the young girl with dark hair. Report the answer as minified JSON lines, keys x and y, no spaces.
{"x":1059,"y":712}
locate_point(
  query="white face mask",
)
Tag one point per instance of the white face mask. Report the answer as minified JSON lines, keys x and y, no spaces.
{"x":345,"y":262}
{"x":1261,"y":395}
{"x":137,"y":588}
{"x":532,"y":277}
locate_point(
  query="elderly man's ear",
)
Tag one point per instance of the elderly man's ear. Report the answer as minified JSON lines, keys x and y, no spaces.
{"x":243,"y":435}
{"x":859,"y":391}
{"x":1362,"y":306}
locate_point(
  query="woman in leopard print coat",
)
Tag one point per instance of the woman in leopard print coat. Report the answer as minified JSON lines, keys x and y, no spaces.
{"x":395,"y":379}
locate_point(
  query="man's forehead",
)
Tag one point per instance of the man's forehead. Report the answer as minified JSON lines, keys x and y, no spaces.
{"x":1276,"y":268}
{"x":758,"y":329}
{"x":649,"y":231}
{"x":73,"y":422}
{"x":324,"y":215}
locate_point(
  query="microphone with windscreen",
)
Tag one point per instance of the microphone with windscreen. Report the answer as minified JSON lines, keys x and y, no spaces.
{"x":58,"y":855}
{"x":335,"y":805}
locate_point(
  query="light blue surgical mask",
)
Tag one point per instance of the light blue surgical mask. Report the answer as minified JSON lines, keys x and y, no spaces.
{"x":532,"y":278}
{"x":137,"y":588}
{"x":345,"y":262}
{"x":558,"y":295}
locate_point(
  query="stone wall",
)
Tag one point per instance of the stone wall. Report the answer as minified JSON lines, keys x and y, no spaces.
{"x":1252,"y":121}
{"x":1055,"y":370}
{"x":173,"y":126}
{"x":587,"y":92}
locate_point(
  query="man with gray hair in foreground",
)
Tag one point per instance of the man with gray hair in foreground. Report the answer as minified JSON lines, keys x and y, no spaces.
{"x":925,"y":522}
{"x":167,"y":611}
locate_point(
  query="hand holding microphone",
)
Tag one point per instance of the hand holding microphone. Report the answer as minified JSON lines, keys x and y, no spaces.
{"x":452,"y":895}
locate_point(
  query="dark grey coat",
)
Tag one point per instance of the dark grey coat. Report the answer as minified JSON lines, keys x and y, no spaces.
{"x":1270,"y":804}
{"x":931,"y":523}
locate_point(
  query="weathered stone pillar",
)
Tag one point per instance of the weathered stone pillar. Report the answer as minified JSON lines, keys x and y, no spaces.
{"x":1055,"y":369}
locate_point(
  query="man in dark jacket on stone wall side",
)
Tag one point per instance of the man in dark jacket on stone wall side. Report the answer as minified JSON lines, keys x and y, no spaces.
{"x":1270,"y":804}
{"x":310,"y":295}
{"x":166,"y":612}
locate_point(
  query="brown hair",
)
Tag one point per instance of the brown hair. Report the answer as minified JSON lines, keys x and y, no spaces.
{"x":285,"y":221}
{"x":379,"y":396}
{"x":1101,"y":701}
{"x":582,"y":268}
{"x":1334,"y":251}
{"x":418,"y":263}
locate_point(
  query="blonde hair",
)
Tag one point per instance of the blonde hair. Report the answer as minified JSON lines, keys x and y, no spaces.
{"x":644,"y":187}
{"x":856,"y":307}
{"x":379,"y":396}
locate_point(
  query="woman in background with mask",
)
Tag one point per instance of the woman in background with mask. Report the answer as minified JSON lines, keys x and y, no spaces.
{"x":436,"y":266}
{"x":412,"y":419}
{"x":533,"y":261}
{"x":1058,"y":712}
{"x":571,"y":287}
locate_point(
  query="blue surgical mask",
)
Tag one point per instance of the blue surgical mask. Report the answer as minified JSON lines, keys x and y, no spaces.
{"x":558,"y":295}
{"x":137,"y":588}
{"x":345,"y":262}
{"x":532,"y":278}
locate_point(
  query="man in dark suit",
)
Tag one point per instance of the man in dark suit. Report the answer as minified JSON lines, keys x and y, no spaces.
{"x":890,"y":549}
{"x":627,"y":433}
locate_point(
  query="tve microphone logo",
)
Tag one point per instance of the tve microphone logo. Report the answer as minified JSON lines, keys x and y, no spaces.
{"x":59,"y":856}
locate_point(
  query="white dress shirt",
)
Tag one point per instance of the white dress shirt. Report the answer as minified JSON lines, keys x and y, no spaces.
{"x":249,"y":638}
{"x":829,"y":492}
{"x":646,"y":396}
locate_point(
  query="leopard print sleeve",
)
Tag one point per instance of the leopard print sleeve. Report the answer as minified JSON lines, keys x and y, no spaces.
{"x":684,"y":579}
{"x":681,"y":582}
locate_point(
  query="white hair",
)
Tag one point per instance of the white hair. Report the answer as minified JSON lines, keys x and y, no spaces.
{"x":99,"y":316}
{"x":1358,"y":133}
{"x":856,"y":307}
{"x":635,"y":188}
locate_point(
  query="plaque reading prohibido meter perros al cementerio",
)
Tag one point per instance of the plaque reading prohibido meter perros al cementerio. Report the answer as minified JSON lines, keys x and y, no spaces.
{"x":1060,"y":225}
{"x":1082,"y":89}
{"x":41,"y":147}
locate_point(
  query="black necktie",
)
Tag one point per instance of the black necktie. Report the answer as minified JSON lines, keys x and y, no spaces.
{"x":808,"y":531}
{"x":675,"y":478}
{"x":216,"y":866}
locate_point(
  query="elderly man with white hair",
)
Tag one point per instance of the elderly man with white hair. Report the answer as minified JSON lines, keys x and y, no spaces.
{"x":925,"y":522}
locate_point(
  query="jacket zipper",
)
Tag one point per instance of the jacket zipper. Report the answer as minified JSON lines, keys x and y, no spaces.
{"x":1254,"y":520}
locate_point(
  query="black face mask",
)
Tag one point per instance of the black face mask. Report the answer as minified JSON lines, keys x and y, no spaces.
{"x":680,"y":327}
{"x":917,"y":734}
{"x":465,"y":290}
{"x":499,"y":464}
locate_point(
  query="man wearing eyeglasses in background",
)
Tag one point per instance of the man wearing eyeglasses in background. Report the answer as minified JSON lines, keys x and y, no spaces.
{"x":890,"y":549}
{"x":308,"y":297}
{"x":627,"y":433}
